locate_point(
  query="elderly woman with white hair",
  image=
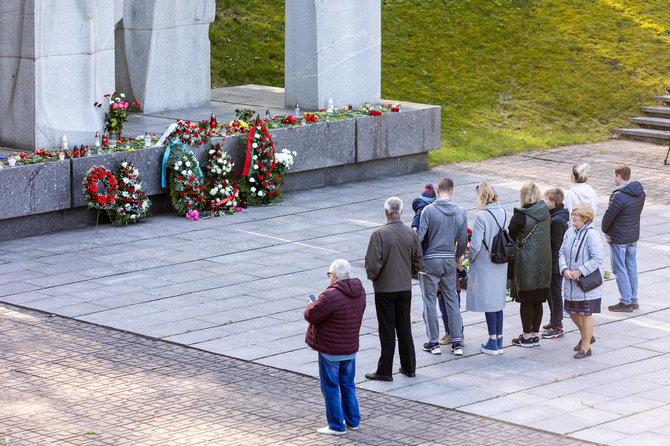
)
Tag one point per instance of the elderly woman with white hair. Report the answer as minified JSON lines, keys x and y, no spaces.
{"x":334,"y":325}
{"x":581,"y":254}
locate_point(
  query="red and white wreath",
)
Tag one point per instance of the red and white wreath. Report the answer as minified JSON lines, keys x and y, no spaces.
{"x":100,"y":197}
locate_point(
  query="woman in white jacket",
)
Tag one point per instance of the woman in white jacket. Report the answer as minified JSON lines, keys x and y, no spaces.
{"x":580,"y":191}
{"x":581,"y":254}
{"x":487,"y":281}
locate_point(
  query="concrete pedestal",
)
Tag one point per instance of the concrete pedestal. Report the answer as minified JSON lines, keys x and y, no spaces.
{"x":56,"y":60}
{"x":332,"y":50}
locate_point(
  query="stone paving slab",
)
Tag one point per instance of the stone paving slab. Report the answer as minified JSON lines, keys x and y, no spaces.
{"x":71,"y":383}
{"x":237,"y":286}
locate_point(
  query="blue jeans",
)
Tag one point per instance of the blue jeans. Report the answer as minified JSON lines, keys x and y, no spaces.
{"x":337,"y":377}
{"x":494,"y":322}
{"x":624,"y":267}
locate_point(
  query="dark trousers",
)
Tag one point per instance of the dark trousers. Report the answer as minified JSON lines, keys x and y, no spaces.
{"x":531,"y":316}
{"x":393,"y":318}
{"x":555,"y":300}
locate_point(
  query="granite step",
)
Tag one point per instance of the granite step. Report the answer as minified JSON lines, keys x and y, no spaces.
{"x":651,"y":123}
{"x":647,"y":135}
{"x":657,"y":112}
{"x":665,"y":98}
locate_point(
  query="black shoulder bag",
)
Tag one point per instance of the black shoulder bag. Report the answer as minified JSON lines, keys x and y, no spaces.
{"x":590,"y":281}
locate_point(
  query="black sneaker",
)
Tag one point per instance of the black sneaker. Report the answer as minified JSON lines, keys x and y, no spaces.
{"x":432,"y":348}
{"x":621,"y":307}
{"x":636,"y":306}
{"x":523,"y":342}
{"x":553,"y":333}
{"x":535,"y":340}
{"x":548,"y":326}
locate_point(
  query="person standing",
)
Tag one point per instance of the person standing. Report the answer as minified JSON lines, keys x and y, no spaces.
{"x":530,"y":228}
{"x":580,"y":191}
{"x":487,"y":284}
{"x":444,"y":225}
{"x":580,"y":255}
{"x":553,"y":198}
{"x":621,"y":225}
{"x":334,"y":326}
{"x":393,"y":256}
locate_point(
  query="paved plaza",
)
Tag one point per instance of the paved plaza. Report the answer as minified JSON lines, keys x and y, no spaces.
{"x":237,"y":285}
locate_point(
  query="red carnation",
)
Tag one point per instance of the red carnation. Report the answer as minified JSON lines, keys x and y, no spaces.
{"x":101,"y":200}
{"x":179,"y":178}
{"x":182,"y":194}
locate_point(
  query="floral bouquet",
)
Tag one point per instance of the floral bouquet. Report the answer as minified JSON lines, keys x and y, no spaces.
{"x":117,"y":114}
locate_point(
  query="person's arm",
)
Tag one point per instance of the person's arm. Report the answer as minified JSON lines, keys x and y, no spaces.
{"x":462,"y":235}
{"x":318,"y":311}
{"x":417,"y":256}
{"x":515,"y":224}
{"x":478,"y":232}
{"x":556,"y":231}
{"x":613,"y":209}
{"x":423,"y":224}
{"x":373,"y":257}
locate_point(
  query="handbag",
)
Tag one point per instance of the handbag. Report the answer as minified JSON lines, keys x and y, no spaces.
{"x":590,"y":281}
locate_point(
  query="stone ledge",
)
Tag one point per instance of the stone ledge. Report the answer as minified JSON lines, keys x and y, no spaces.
{"x":331,"y":152}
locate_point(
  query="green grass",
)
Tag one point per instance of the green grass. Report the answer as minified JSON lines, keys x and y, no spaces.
{"x":510,"y":75}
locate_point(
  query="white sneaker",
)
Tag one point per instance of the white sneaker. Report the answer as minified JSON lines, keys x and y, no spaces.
{"x":458,"y":350}
{"x":328,"y":431}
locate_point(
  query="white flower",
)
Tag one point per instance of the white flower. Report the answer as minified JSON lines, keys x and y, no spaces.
{"x":295,"y":153}
{"x":220,"y":161}
{"x":133,"y":216}
{"x":124,"y":164}
{"x":122,"y":95}
{"x":125,"y":194}
{"x":183,"y":172}
{"x":253,"y":189}
{"x":138,"y":186}
{"x":255,"y":166}
{"x":179,"y":162}
{"x":126,"y":180}
{"x":261,"y":193}
{"x":188,"y":164}
{"x":211,"y":152}
{"x":255,"y":157}
{"x":190,"y":172}
{"x":254,"y":145}
{"x":257,"y":135}
{"x":213,"y":191}
{"x":252,"y":180}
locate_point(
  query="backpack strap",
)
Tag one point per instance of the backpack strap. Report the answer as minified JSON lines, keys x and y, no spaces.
{"x":525,"y":239}
{"x":496,"y":220}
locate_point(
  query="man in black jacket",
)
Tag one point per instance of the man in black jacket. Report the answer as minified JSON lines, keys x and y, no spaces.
{"x":621,"y":225}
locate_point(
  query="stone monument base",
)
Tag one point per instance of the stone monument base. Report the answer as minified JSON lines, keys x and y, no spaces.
{"x":46,"y":197}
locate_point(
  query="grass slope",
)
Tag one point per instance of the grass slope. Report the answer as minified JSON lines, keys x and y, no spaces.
{"x":510,"y":75}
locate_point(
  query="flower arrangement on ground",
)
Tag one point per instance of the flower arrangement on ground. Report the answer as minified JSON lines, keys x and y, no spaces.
{"x":220,"y":192}
{"x":131,"y":202}
{"x":261,"y":181}
{"x":117,"y":112}
{"x":100,"y":198}
{"x":185,"y":182}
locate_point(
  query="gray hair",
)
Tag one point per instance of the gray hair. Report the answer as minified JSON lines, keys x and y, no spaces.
{"x":341,"y":268}
{"x":393,"y":206}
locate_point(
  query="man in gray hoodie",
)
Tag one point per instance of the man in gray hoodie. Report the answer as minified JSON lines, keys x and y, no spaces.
{"x":444,"y":224}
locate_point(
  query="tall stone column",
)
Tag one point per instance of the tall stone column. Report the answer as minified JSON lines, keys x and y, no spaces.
{"x":332,"y":50}
{"x":163,"y":53}
{"x":56,"y":60}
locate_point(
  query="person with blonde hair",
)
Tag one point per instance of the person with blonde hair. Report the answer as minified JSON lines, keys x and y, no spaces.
{"x":487,"y":283}
{"x":531,"y":269}
{"x":581,"y":254}
{"x":580,"y":191}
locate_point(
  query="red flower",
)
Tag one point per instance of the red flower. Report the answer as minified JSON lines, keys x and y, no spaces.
{"x":182,"y":194}
{"x":101,"y":200}
{"x":93,"y":188}
{"x":265,"y":184}
{"x":395,"y":109}
{"x":179,"y":178}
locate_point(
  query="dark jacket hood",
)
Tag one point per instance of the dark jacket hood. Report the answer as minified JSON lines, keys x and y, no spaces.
{"x":419,"y":203}
{"x":559,"y":212}
{"x":351,"y":288}
{"x":634,"y":189}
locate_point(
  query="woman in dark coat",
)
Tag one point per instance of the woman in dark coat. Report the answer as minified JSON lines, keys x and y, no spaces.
{"x":531,"y":270}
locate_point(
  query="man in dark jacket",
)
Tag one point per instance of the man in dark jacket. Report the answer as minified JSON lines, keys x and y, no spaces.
{"x":334,"y":325}
{"x":553,"y":198}
{"x":393,"y":255}
{"x":621,"y":225}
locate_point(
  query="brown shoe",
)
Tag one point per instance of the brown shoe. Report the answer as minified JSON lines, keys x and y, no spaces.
{"x":446,"y":339}
{"x":579,"y":344}
{"x":582,"y":354}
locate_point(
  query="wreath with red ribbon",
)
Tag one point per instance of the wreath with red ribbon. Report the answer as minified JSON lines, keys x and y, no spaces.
{"x":96,"y":197}
{"x":260,"y":182}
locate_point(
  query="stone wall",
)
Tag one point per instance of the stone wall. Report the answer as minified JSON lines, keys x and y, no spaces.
{"x":327,"y":153}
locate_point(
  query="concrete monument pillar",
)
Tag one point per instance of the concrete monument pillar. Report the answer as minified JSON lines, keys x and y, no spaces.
{"x":163,"y":52}
{"x":56,"y":60}
{"x":332,"y":50}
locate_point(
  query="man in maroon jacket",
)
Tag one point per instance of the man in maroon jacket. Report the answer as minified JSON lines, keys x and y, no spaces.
{"x":334,"y":325}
